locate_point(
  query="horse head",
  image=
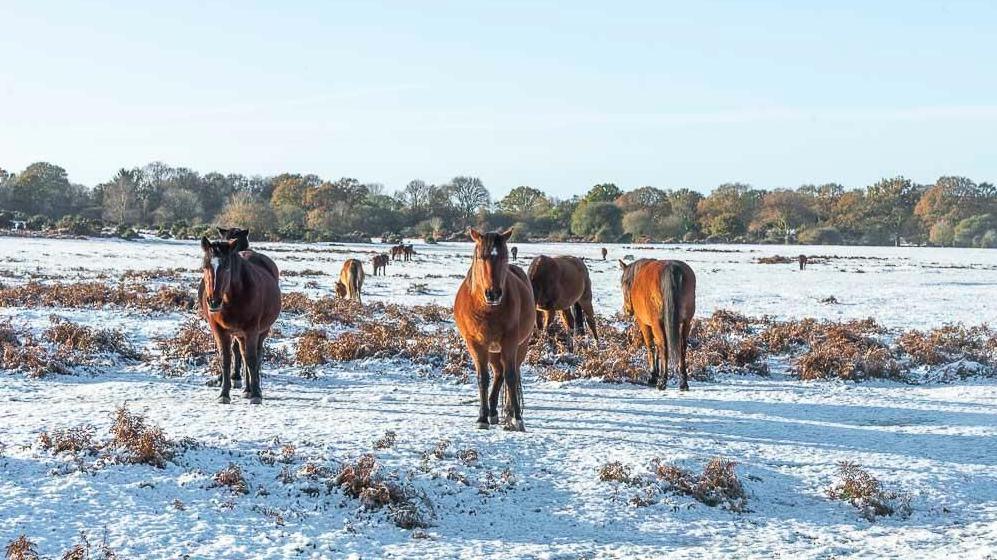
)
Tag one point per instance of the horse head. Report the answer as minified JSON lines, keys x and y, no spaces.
{"x":490,"y":264}
{"x":220,"y":258}
{"x":626,"y":283}
{"x":241,"y":235}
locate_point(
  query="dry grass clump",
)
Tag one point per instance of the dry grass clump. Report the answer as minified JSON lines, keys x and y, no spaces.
{"x":362,"y":479}
{"x":840,"y":352}
{"x":866,"y":493}
{"x":295,"y":302}
{"x":615,"y":471}
{"x":951,"y":343}
{"x":20,"y":351}
{"x":717,"y":485}
{"x":76,"y":440}
{"x":775,"y":259}
{"x":21,"y":549}
{"x":231,"y":477}
{"x":191,"y":343}
{"x":83,"y":550}
{"x":73,"y":338}
{"x":328,"y":310}
{"x":97,"y":294}
{"x":160,"y":274}
{"x":387,"y":441}
{"x":138,"y":441}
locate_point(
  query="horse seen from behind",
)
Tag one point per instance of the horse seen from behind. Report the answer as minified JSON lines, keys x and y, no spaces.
{"x":380,"y":263}
{"x":495,"y":314}
{"x":350,"y":280}
{"x":661,"y":297}
{"x":240,"y":301}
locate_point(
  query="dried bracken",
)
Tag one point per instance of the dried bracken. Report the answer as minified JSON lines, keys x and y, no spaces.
{"x":231,"y":477}
{"x":615,"y":471}
{"x":75,"y":440}
{"x":717,"y":485}
{"x":138,"y":441}
{"x":867,"y":494}
{"x":386,"y":441}
{"x":21,"y":549}
{"x":71,"y":338}
{"x":96,"y":295}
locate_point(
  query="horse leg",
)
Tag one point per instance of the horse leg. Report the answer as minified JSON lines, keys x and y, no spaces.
{"x":480,"y":358}
{"x":237,"y":369}
{"x":578,"y":316}
{"x":510,"y":373}
{"x":569,"y":326}
{"x":686,"y":328}
{"x":652,"y":359}
{"x":251,"y":357}
{"x":496,"y":389}
{"x":224,"y":343}
{"x":658,"y":330}
{"x":586,"y":306}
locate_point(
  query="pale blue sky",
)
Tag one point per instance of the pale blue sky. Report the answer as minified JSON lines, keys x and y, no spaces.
{"x":555,"y":95}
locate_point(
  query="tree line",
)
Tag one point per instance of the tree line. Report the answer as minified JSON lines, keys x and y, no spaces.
{"x":180,"y":202}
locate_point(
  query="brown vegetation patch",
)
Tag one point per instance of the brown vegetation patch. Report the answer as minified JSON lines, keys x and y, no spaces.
{"x":73,"y":338}
{"x":97,"y":294}
{"x":717,"y":485}
{"x":867,"y":494}
{"x":615,"y":471}
{"x":21,"y":549}
{"x":231,"y":477}
{"x":950,"y":343}
{"x":138,"y":441}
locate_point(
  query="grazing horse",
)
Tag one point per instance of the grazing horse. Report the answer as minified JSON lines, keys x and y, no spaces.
{"x":661,"y":297}
{"x":515,"y":253}
{"x":495,"y":314}
{"x":350,"y":280}
{"x":380,"y":263}
{"x":562,"y":284}
{"x":803,"y":262}
{"x":604,"y":253}
{"x":240,"y":301}
{"x":397,"y":252}
{"x":408,"y":251}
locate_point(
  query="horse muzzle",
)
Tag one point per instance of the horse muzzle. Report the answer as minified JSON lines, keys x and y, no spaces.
{"x":493,"y":297}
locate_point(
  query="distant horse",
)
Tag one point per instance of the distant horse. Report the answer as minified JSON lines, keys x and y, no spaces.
{"x":661,"y":297}
{"x":604,"y":253}
{"x":350,"y":280}
{"x":495,"y":314}
{"x":397,"y":252}
{"x":240,"y":301}
{"x":803,"y":262}
{"x":562,"y":284}
{"x":408,"y":251}
{"x":515,"y":253}
{"x":380,"y":263}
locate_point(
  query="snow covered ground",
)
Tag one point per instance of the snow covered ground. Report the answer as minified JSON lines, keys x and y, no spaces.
{"x":527,"y":495}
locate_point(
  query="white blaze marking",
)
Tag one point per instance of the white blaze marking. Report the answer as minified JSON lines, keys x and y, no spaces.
{"x":214,"y":264}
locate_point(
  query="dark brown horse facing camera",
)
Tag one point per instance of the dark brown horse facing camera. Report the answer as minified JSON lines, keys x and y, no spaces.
{"x":495,"y":315}
{"x":803,"y":262}
{"x":562,"y":285}
{"x":240,"y":300}
{"x":604,"y":253}
{"x":515,"y":253}
{"x":661,"y":297}
{"x":350,"y":280}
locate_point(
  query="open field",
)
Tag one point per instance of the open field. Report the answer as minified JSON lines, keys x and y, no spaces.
{"x":923,"y":420}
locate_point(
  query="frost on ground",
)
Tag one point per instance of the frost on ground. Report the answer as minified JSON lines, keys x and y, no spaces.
{"x":378,"y":456}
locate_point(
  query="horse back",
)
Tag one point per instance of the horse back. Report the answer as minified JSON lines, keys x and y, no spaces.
{"x":647,"y":293}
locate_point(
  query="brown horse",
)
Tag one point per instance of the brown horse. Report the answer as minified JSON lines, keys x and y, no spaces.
{"x":350,"y":280}
{"x":240,"y":301}
{"x":408,"y":251}
{"x":242,"y":237}
{"x":515,"y":253}
{"x":562,"y":284}
{"x":661,"y":297}
{"x":495,"y":314}
{"x":803,"y":262}
{"x":397,"y":252}
{"x":604,"y":253}
{"x":380,"y":263}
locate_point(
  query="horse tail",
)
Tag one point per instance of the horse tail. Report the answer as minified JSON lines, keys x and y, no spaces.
{"x":671,"y":292}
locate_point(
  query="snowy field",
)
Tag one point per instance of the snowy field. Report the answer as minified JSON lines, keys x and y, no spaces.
{"x":536,"y":494}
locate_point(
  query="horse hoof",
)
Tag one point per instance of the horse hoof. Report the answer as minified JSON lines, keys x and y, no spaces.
{"x":683,"y":387}
{"x":493,"y":419}
{"x":224,"y":400}
{"x":515,"y":426}
{"x":236,"y":384}
{"x":255,"y":400}
{"x":246,"y":394}
{"x":482,"y":425}
{"x":662,"y":387}
{"x":652,"y":382}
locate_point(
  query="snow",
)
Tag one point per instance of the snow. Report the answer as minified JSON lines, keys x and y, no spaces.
{"x":938,"y":442}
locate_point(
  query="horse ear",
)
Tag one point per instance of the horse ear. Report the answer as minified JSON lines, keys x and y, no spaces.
{"x":205,"y":244}
{"x":623,"y":265}
{"x":223,"y":232}
{"x":475,"y":234}
{"x":505,"y":235}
